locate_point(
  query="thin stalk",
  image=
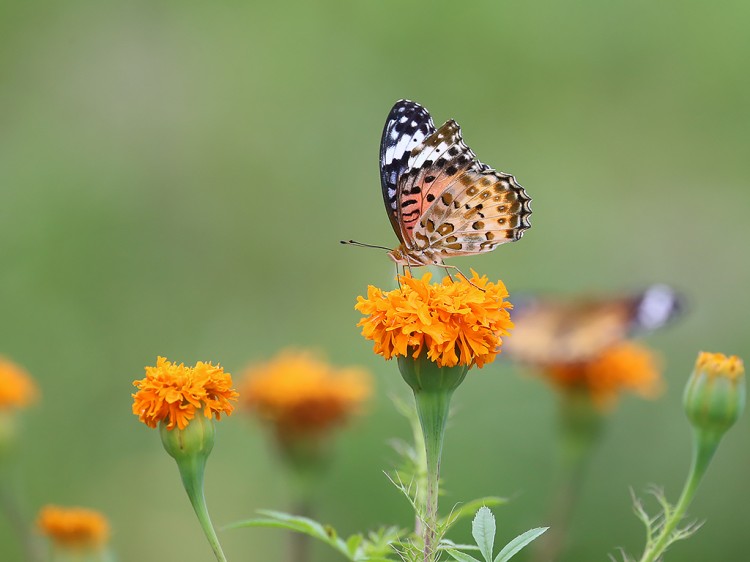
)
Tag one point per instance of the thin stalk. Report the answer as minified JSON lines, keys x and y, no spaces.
{"x":14,"y":513}
{"x":191,"y":471}
{"x":580,"y":432}
{"x":432,"y":407}
{"x":703,"y":452}
{"x":299,"y":543}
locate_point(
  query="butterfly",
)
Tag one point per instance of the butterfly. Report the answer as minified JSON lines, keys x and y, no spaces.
{"x":549,"y":331}
{"x":441,"y":200}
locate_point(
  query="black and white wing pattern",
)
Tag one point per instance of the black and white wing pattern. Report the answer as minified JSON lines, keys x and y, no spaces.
{"x":407,"y":125}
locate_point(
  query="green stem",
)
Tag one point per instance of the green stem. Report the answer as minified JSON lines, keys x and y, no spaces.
{"x":703,"y":451}
{"x":11,"y":504}
{"x":191,"y":471}
{"x":299,"y":543}
{"x":580,"y":432}
{"x":432,"y":407}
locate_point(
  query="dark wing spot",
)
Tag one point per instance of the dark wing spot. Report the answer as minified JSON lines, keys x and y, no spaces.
{"x":430,"y":197}
{"x":429,"y":179}
{"x":445,"y":228}
{"x":450,"y":170}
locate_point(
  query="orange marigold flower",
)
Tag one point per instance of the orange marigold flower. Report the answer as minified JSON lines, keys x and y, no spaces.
{"x":172,"y":393}
{"x":74,"y":527}
{"x":300,"y":394}
{"x":718,"y":364}
{"x":625,"y":366}
{"x":17,"y":388}
{"x":455,"y":322}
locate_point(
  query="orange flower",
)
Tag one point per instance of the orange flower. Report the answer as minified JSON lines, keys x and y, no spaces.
{"x":74,"y":527}
{"x":302,"y":395}
{"x":172,"y":393}
{"x":625,"y":366}
{"x":454,"y":322}
{"x":17,"y":389}
{"x":718,"y":364}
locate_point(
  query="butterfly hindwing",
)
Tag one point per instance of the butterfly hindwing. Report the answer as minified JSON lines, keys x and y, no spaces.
{"x":407,"y":125}
{"x":477,"y":212}
{"x":453,"y":204}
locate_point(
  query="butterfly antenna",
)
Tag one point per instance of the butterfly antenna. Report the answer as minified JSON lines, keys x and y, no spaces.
{"x":363,"y":245}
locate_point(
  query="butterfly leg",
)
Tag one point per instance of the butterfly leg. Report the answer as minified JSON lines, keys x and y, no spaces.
{"x":461,"y":273}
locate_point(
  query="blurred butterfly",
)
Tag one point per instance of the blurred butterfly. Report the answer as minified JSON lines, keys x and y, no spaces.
{"x":442,"y":201}
{"x":553,"y":332}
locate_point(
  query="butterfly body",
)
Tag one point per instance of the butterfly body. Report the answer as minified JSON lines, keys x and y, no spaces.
{"x":441,"y":200}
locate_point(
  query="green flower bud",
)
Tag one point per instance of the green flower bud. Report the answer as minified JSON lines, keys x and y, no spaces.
{"x":424,"y":375}
{"x":715,"y":394}
{"x":196,"y":440}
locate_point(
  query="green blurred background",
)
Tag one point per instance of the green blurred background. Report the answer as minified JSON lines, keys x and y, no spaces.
{"x":175,"y":178}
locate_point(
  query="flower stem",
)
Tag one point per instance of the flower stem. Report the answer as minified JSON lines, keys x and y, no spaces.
{"x":191,"y":471}
{"x":705,"y":446}
{"x":433,"y":387}
{"x":580,"y":431}
{"x":432,"y":407}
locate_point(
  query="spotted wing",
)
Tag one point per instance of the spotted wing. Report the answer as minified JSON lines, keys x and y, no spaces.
{"x":553,"y":332}
{"x":407,"y":125}
{"x":454,"y":204}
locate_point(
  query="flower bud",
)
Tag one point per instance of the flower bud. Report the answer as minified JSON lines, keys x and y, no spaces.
{"x":424,"y":375}
{"x":715,"y":394}
{"x":196,"y":440}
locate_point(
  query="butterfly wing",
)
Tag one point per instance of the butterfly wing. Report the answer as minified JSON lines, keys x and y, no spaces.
{"x":407,"y":125}
{"x":453,"y":204}
{"x":553,"y":332}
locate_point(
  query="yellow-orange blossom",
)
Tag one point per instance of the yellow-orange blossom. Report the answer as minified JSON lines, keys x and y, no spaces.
{"x":74,"y":527}
{"x":455,"y":322}
{"x":624,"y":366}
{"x":172,"y":393}
{"x":300,"y":394}
{"x":17,"y":389}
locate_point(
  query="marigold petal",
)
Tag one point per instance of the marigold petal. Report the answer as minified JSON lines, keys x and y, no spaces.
{"x":457,"y":322}
{"x":172,"y":393}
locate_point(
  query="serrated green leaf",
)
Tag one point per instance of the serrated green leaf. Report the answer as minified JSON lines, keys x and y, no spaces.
{"x":518,"y":543}
{"x":483,"y":531}
{"x":461,"y":557}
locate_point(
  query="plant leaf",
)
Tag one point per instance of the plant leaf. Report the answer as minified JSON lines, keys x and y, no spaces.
{"x":460,"y":556}
{"x":352,"y":544}
{"x":518,"y":543}
{"x":483,"y":531}
{"x":470,"y":508}
{"x":280,"y":520}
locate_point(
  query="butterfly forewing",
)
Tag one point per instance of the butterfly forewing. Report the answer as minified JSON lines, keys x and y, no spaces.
{"x":432,"y":168}
{"x":407,"y":125}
